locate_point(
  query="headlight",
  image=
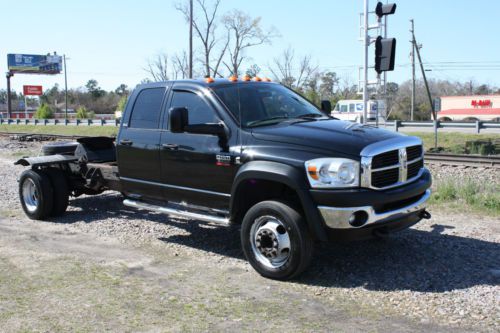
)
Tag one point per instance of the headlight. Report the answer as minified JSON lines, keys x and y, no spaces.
{"x":332,"y":172}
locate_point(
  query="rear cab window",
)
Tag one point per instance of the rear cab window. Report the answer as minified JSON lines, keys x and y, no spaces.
{"x":147,"y":109}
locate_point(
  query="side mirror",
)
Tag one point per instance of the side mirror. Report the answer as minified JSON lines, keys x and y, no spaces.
{"x":178,"y":119}
{"x":326,"y":106}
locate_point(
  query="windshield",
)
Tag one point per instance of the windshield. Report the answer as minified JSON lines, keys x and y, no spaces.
{"x":265,"y":104}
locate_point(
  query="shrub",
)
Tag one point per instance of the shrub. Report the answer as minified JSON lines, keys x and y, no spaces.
{"x":83,"y":113}
{"x":44,"y":112}
{"x":121,"y":104}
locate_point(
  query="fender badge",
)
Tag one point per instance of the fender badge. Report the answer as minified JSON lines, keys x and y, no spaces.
{"x":223,"y":160}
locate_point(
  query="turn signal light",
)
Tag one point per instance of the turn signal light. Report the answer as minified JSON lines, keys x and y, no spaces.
{"x":313,"y":172}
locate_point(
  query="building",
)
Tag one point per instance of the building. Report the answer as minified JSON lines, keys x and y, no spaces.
{"x":470,"y":108}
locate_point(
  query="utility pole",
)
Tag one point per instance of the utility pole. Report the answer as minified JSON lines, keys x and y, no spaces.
{"x":190,"y":39}
{"x":8,"y":75}
{"x":417,"y":48}
{"x":366,"y":42}
{"x":65,"y":87}
{"x":412,"y":111}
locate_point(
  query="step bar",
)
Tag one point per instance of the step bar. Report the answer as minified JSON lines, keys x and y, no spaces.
{"x":176,"y":212}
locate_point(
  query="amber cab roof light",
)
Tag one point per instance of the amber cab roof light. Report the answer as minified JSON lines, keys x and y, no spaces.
{"x":209,"y":80}
{"x":258,"y":79}
{"x":246,"y":78}
{"x":233,"y":78}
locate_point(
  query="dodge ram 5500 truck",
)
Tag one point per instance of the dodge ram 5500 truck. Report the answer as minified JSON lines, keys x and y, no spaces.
{"x":246,"y":152}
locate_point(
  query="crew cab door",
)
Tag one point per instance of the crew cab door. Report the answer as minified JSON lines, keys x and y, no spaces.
{"x":138,"y":144}
{"x":194,"y":166}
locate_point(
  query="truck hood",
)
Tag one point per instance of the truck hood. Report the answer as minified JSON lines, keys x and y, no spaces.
{"x":331,"y":135}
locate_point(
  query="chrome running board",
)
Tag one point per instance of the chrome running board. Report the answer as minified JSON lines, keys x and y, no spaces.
{"x":171,"y":211}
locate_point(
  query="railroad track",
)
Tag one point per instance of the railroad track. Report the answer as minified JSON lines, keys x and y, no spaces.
{"x":464,"y":160}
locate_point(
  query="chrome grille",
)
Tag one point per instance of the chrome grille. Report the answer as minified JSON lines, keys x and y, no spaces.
{"x":391,"y":163}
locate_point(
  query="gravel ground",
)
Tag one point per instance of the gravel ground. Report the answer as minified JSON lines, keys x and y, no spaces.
{"x":443,"y":272}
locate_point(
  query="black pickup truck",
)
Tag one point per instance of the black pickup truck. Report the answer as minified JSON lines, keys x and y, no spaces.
{"x":246,"y":152}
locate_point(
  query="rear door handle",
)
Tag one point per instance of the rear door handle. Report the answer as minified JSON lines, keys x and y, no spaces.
{"x":126,"y":142}
{"x":170,"y":146}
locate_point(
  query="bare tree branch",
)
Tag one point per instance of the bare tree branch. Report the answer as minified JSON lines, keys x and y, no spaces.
{"x":205,"y":28}
{"x":245,"y":32}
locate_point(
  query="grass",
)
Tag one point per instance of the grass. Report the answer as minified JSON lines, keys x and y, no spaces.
{"x":82,"y":130}
{"x":467,"y":194}
{"x":453,"y":142}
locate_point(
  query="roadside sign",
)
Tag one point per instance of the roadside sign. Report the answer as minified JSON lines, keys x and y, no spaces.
{"x":34,"y":63}
{"x":32,"y":90}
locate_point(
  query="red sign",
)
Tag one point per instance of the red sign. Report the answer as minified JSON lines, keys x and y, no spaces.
{"x":32,"y":90}
{"x":481,"y":103}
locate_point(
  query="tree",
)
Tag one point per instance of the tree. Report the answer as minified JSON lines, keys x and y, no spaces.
{"x":44,"y":112}
{"x":253,"y":71}
{"x":205,"y":28}
{"x":329,"y":81}
{"x":244,"y":32}
{"x":122,"y":90}
{"x":291,"y":74}
{"x":158,"y":68}
{"x":94,"y":89}
{"x":180,"y":66}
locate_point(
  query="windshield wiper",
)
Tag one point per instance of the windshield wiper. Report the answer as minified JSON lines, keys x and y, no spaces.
{"x":262,"y":122}
{"x":310,"y":115}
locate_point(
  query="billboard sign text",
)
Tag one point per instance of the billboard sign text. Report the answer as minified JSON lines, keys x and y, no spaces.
{"x":32,"y":90}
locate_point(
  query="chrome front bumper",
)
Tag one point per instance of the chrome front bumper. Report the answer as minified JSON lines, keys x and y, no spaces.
{"x":338,"y":218}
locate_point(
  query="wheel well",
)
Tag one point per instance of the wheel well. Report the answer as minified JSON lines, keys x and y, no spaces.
{"x":253,"y":191}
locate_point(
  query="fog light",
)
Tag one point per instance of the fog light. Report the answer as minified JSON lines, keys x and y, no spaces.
{"x":358,"y":219}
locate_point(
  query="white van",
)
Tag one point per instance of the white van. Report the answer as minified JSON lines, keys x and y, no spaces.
{"x":353,"y":110}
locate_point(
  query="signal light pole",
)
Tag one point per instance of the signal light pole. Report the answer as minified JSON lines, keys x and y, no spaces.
{"x":385,"y":49}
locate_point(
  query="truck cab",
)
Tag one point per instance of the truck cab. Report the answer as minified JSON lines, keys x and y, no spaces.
{"x":249,"y":153}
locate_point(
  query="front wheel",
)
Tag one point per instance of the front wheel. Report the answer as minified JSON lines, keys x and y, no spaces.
{"x":275,"y":240}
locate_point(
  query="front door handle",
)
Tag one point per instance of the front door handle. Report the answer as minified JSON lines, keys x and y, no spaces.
{"x":126,"y":142}
{"x":170,"y":146}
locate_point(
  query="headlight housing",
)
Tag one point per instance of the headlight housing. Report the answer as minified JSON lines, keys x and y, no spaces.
{"x":332,"y":172}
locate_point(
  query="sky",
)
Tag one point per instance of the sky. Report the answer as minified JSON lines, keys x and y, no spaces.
{"x":111,"y":41}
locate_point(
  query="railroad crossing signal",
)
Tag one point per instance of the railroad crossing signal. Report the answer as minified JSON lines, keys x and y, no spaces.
{"x":385,"y":48}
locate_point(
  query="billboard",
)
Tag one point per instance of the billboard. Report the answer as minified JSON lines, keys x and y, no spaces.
{"x":32,"y":90}
{"x":34,"y":63}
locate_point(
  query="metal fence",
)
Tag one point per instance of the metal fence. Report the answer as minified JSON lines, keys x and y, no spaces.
{"x":74,"y":122}
{"x":395,"y":125}
{"x":477,"y":126}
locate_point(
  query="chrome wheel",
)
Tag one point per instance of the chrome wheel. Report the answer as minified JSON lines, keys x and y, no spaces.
{"x":270,"y":241}
{"x":30,"y":195}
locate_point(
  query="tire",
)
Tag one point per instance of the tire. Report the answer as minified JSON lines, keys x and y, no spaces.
{"x":65,"y":148}
{"x":60,"y":191}
{"x":275,"y":240}
{"x":36,"y":194}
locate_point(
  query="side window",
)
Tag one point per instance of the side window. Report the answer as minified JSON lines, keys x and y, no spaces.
{"x":147,"y":108}
{"x":351,"y":107}
{"x":343,"y":108}
{"x":199,"y":111}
